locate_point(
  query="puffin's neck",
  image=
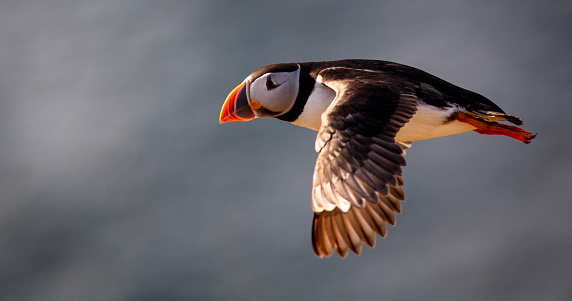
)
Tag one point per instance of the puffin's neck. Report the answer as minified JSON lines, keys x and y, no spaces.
{"x":318,"y":101}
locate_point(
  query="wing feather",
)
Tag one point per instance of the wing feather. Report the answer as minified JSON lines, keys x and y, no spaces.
{"x":357,"y":179}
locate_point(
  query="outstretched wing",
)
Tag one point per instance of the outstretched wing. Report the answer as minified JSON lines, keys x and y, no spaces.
{"x":357,"y":179}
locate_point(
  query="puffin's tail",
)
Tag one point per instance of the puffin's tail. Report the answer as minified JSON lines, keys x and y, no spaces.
{"x":486,"y":122}
{"x":493,"y":116}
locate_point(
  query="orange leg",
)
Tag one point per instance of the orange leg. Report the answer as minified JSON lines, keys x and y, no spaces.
{"x":494,"y":128}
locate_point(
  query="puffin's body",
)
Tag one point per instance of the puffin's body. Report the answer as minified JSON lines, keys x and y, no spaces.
{"x":366,"y":113}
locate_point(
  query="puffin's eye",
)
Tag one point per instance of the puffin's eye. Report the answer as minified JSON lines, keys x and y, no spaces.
{"x":270,"y":84}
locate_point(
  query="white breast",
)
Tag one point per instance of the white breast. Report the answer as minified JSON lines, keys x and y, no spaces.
{"x":428,"y":122}
{"x":318,"y":101}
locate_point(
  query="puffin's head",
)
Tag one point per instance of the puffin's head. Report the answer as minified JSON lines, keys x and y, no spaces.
{"x":268,"y":92}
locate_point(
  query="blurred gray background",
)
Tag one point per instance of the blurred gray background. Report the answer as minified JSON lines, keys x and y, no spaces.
{"x":118,"y":183}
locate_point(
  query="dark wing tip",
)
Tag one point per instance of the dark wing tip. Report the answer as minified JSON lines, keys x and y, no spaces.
{"x":343,"y":231}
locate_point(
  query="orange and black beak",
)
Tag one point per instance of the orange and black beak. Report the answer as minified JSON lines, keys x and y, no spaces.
{"x":236,"y":106}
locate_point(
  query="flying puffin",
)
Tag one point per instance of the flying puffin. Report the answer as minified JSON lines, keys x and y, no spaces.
{"x":367,"y":113}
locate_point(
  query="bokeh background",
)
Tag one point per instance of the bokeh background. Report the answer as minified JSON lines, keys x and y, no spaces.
{"x":118,"y":183}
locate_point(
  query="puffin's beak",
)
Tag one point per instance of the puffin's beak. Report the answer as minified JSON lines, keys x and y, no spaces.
{"x":236,"y":106}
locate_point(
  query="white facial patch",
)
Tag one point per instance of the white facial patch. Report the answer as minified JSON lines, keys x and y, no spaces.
{"x":276,"y":92}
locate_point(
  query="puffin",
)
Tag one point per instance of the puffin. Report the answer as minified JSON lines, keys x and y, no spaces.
{"x":367,"y":113}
